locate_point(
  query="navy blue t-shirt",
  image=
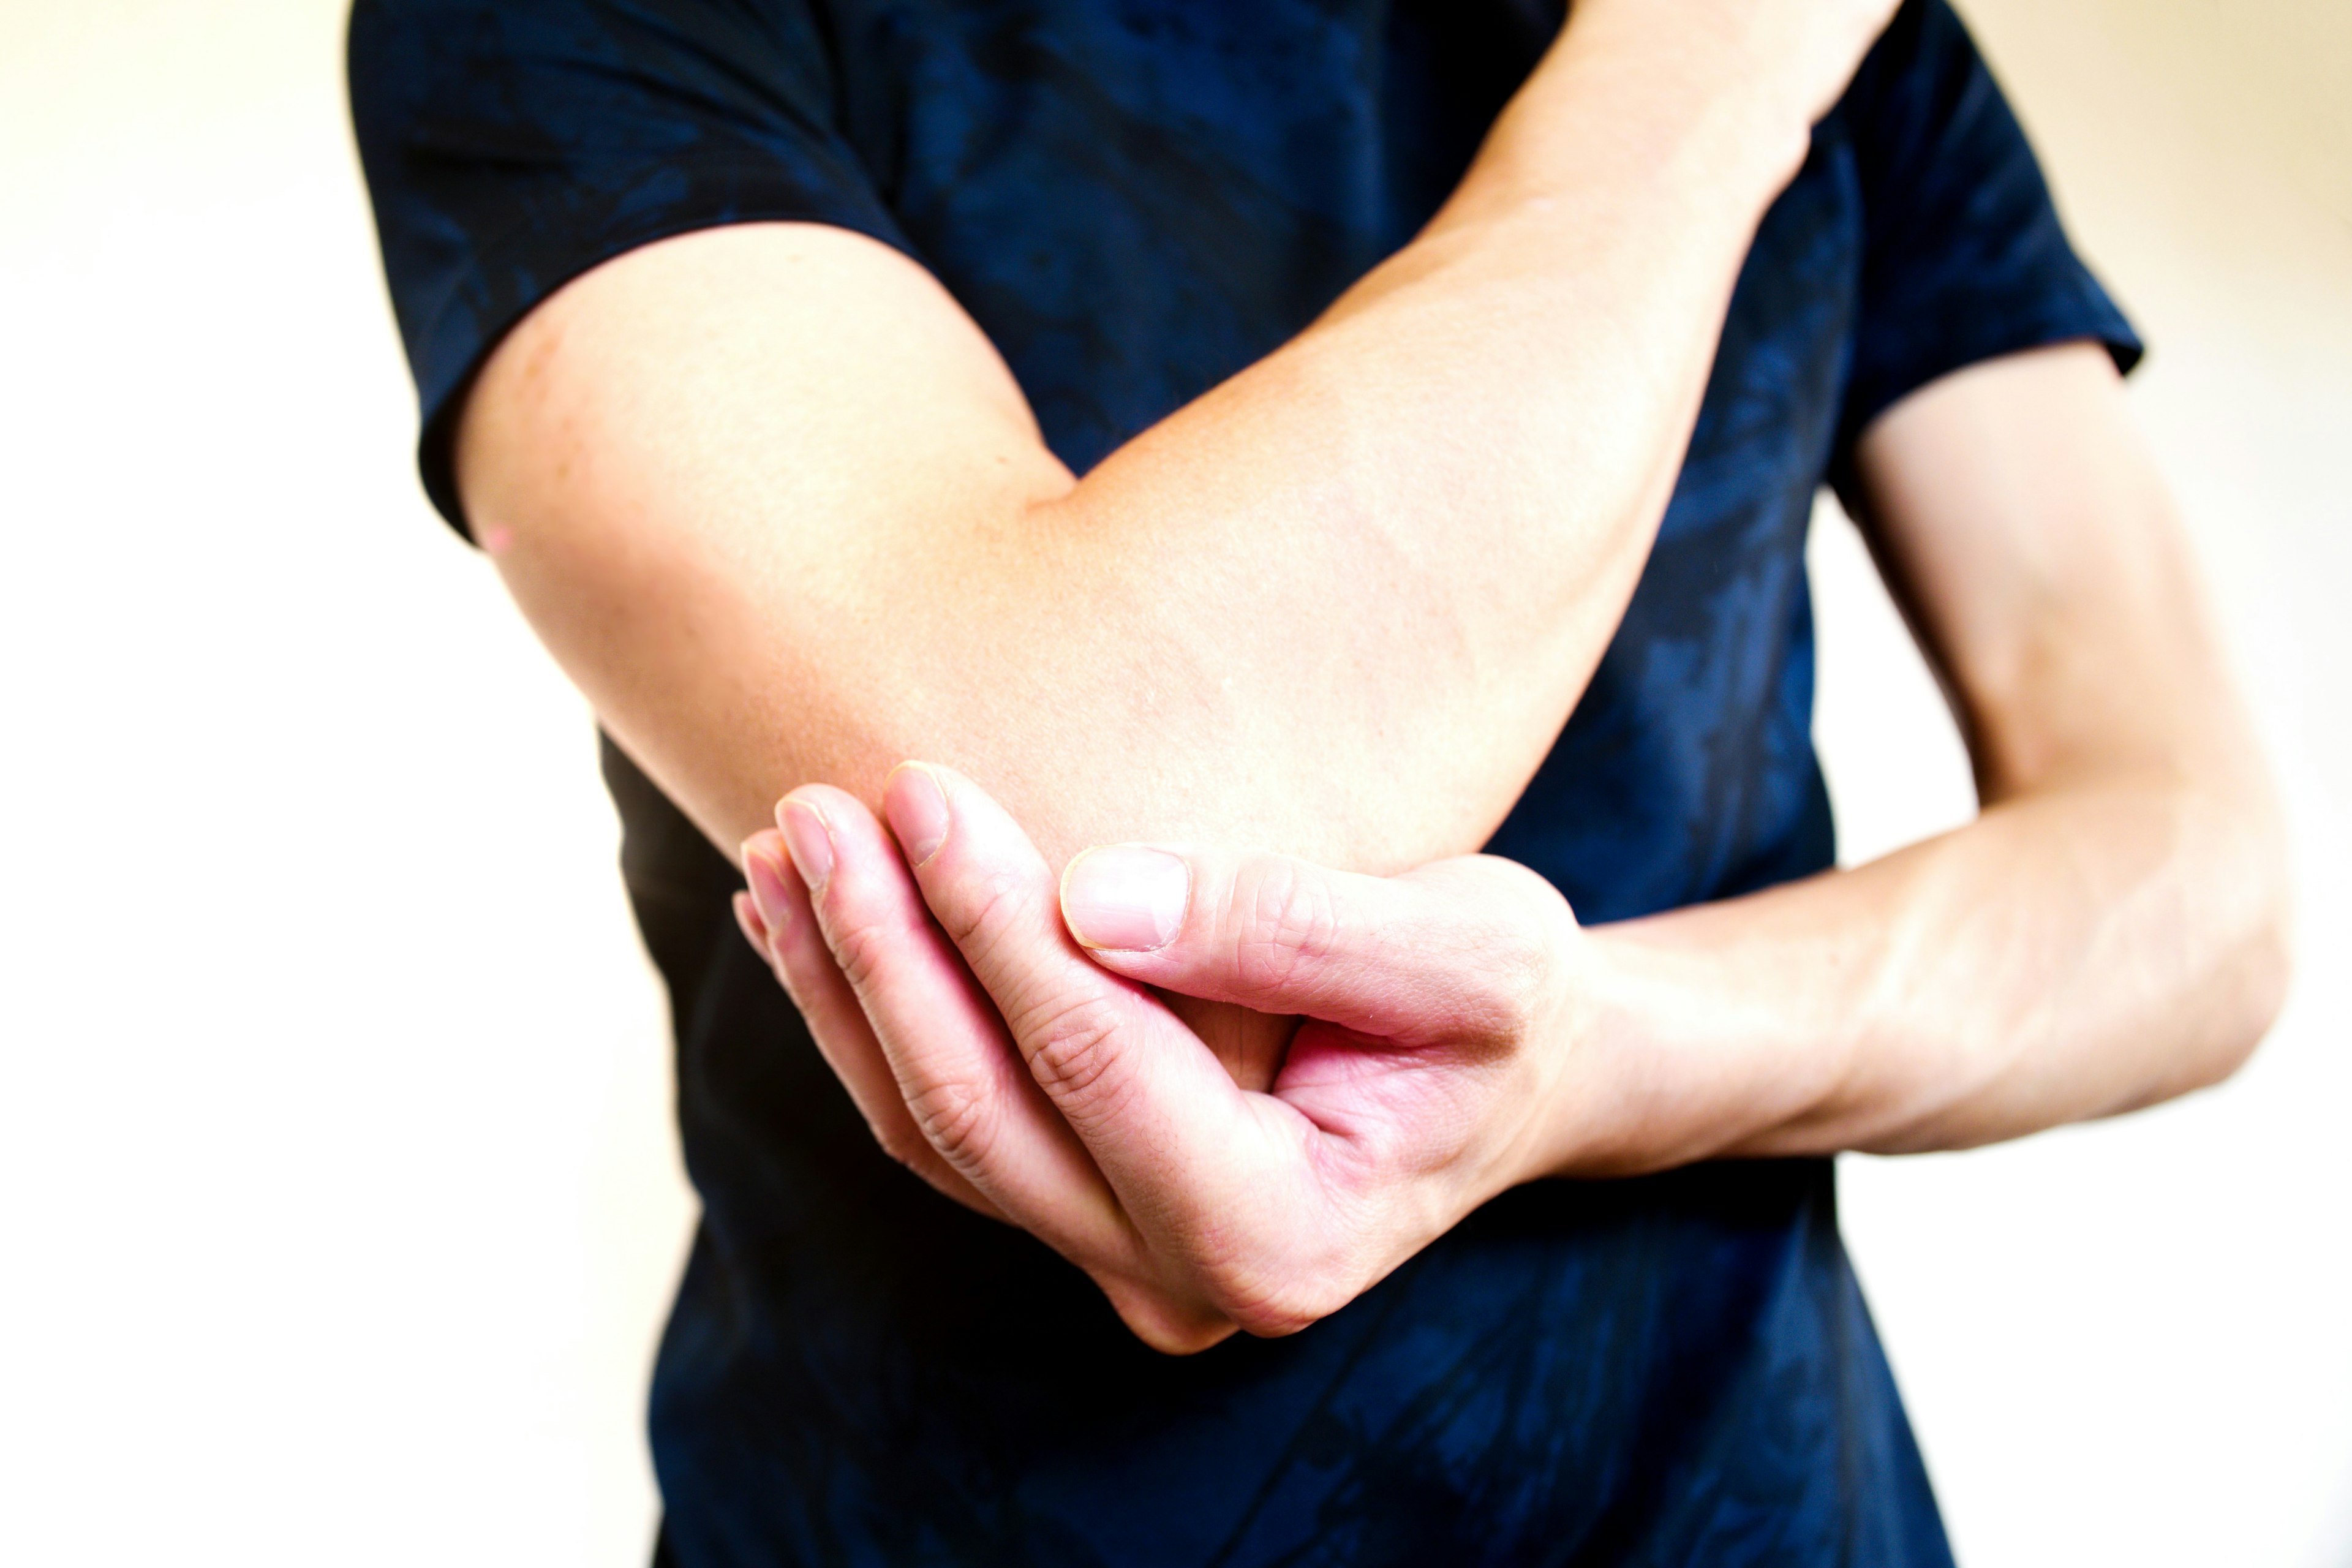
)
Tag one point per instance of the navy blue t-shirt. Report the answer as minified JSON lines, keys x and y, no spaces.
{"x":1135,"y":199}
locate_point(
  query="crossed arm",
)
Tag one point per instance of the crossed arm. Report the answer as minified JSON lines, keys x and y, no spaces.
{"x":778,"y":507}
{"x":2106,"y":934}
{"x":780,"y":511}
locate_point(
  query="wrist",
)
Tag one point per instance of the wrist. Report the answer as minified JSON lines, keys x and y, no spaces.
{"x":1601,"y":1117}
{"x":1677,"y":1049}
{"x":1703,"y":120}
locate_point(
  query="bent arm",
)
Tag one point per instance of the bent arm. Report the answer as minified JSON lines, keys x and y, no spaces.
{"x":778,"y":507}
{"x":2108,"y":933}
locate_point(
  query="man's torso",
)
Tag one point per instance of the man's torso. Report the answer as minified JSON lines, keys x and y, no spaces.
{"x":1135,"y":198}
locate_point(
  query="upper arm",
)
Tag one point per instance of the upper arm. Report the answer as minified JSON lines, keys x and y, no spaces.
{"x":831,"y":364}
{"x":513,"y":145}
{"x":673,"y":361}
{"x":2021,"y":524}
{"x":724,"y":450}
{"x":1984,"y":445}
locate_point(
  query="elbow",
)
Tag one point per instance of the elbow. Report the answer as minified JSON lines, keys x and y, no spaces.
{"x":2251,"y":992}
{"x":2248,"y":988}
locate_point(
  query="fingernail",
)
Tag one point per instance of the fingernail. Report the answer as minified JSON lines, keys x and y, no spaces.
{"x":917,"y":811}
{"x":765,"y":877}
{"x":1126,"y":897}
{"x":810,"y":840}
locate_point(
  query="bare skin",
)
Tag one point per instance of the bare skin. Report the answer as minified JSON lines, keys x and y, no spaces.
{"x":2108,"y":934}
{"x":778,"y":507}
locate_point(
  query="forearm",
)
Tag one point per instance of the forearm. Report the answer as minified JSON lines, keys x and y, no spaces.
{"x":2072,"y":953}
{"x":1341,"y":604}
{"x":2108,"y":933}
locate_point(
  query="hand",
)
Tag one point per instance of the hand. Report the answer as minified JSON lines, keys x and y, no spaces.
{"x":1022,"y":1066}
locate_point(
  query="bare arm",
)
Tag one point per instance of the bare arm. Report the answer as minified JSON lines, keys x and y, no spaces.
{"x":780,"y":511}
{"x":2108,"y":933}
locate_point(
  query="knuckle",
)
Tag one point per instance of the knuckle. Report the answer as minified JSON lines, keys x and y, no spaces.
{"x":1516,"y":951}
{"x":1071,"y":1041}
{"x":985,"y":912}
{"x":861,"y":948}
{"x":1514,"y":981}
{"x":1272,"y":1304}
{"x":1275,"y":1280}
{"x":954,"y":1118}
{"x":1288,"y":925}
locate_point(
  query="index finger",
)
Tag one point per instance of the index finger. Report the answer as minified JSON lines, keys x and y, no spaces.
{"x":1194,"y":1159}
{"x":961,"y":1080}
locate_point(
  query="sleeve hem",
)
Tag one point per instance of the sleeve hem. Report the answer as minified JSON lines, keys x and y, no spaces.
{"x":2113,"y":334}
{"x":437,"y":430}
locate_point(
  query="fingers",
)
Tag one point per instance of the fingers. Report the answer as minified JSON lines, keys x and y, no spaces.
{"x":1456,"y":949}
{"x":776,"y":918}
{"x":1183,"y":1147}
{"x":955,"y":1071}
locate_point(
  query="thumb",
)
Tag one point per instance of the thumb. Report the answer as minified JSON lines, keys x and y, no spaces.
{"x":1455,"y":945}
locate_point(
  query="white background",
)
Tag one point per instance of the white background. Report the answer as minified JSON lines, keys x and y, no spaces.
{"x":338,"y":1201}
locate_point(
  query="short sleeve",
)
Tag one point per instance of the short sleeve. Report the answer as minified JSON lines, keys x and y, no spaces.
{"x":510,"y":145}
{"x":1964,"y":258}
